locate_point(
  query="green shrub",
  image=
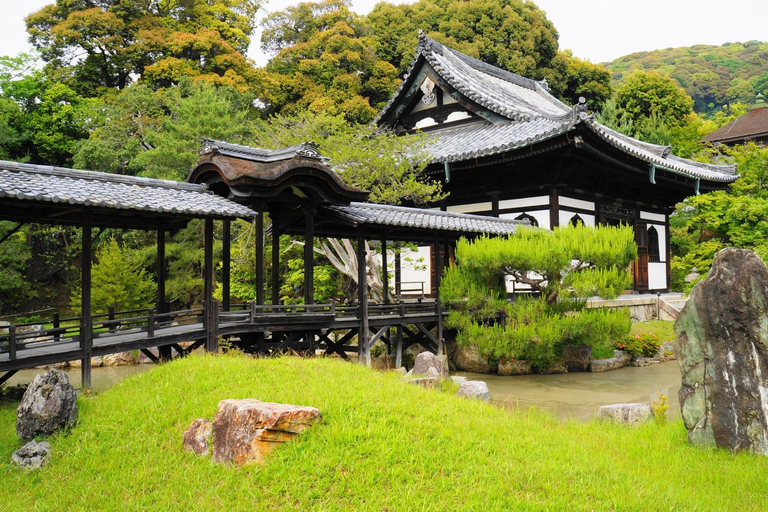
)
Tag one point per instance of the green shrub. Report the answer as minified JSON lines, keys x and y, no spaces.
{"x":646,"y":345}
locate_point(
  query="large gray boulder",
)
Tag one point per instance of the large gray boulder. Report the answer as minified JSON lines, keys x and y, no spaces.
{"x":427,"y":360}
{"x":49,"y":403}
{"x":32,"y":455}
{"x":474,"y":389}
{"x":723,"y":355}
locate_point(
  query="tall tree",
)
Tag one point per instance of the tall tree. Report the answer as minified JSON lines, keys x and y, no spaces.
{"x":326,"y":61}
{"x":647,"y":94}
{"x":104,"y":43}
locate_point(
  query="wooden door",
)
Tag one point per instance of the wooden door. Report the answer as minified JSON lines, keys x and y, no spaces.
{"x":640,"y":268}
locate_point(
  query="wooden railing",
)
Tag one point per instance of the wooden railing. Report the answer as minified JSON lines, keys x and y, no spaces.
{"x":16,"y":337}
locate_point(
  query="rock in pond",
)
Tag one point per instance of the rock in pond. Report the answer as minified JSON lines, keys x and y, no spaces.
{"x":474,"y":389}
{"x":197,"y":437}
{"x":244,"y":431}
{"x":49,"y":403}
{"x":33,"y":455}
{"x":428,"y":360}
{"x":516,"y":367}
{"x":577,"y":357}
{"x":468,"y":359}
{"x":723,"y":355}
{"x":630,"y":414}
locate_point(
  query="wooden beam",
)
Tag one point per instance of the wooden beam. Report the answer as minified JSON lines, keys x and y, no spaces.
{"x":164,"y":351}
{"x":86,"y":322}
{"x":275,"y":258}
{"x":259,"y":224}
{"x":385,"y":270}
{"x":12,"y":231}
{"x":226,"y":263}
{"x":364,"y":351}
{"x":309,"y":255}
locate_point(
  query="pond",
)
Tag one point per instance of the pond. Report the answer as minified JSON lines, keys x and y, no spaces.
{"x":578,"y":395}
{"x":568,"y":396}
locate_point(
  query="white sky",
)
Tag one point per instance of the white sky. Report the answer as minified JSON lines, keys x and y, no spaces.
{"x":597,"y":30}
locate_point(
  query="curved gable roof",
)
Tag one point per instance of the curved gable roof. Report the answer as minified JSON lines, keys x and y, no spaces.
{"x":529,"y":115}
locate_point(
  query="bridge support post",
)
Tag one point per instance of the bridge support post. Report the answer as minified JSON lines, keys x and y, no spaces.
{"x":86,"y":321}
{"x":226,"y":263}
{"x":363,"y":335}
{"x":438,"y":275}
{"x":164,"y":352}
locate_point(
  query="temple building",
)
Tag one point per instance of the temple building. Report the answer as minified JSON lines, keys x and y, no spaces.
{"x":503,"y":146}
{"x":749,"y":127}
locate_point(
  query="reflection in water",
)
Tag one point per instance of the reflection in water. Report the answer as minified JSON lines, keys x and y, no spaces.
{"x":101,"y":377}
{"x":578,"y":395}
{"x":569,"y":396}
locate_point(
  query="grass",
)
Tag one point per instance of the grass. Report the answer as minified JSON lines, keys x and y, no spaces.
{"x":382,"y":445}
{"x":664,"y":329}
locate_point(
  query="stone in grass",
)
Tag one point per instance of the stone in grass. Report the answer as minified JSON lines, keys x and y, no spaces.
{"x":427,"y":360}
{"x":474,"y":389}
{"x":197,"y":437}
{"x":427,"y":382}
{"x":244,"y":431}
{"x":49,"y":403}
{"x":33,"y":455}
{"x":722,"y":335}
{"x":630,"y":414}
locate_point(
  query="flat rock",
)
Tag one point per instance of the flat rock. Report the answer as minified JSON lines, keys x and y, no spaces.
{"x":604,"y":365}
{"x":120,"y":359}
{"x":630,"y":414}
{"x":244,"y":431}
{"x":723,"y":355}
{"x":33,"y":455}
{"x":476,"y":389}
{"x":558,"y":367}
{"x":50,"y":403}
{"x":197,"y":437}
{"x":427,"y":360}
{"x":432,"y":382}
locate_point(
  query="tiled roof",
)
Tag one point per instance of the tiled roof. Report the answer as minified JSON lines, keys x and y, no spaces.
{"x":416,"y":218}
{"x":88,"y":188}
{"x":659,"y":155}
{"x":752,"y":124}
{"x":462,"y":142}
{"x":534,"y":116}
{"x":305,"y":149}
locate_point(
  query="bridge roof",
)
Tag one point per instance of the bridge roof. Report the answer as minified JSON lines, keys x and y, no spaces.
{"x":58,"y":195}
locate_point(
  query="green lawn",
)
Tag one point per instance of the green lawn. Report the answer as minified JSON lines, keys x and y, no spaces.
{"x":664,"y":329}
{"x":382,"y":445}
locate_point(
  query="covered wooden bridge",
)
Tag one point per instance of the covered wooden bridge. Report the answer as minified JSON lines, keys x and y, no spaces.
{"x":301,"y":195}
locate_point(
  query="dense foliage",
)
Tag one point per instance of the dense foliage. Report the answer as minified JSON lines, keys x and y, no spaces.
{"x":562,"y":268}
{"x":714,"y":76}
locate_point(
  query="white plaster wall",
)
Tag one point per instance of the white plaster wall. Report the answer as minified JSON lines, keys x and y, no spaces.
{"x":566,"y":216}
{"x":576,"y":203}
{"x":662,"y":231}
{"x":471,"y":208}
{"x":652,"y":216}
{"x":657,"y":276}
{"x":524,"y":202}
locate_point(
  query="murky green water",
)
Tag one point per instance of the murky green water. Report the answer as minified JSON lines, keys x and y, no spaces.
{"x":578,"y":395}
{"x":101,"y":377}
{"x":569,"y":396}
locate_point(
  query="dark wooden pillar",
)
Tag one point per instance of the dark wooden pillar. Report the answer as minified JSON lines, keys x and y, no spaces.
{"x":438,"y":274}
{"x":275,"y":259}
{"x":554,"y":208}
{"x":398,"y":276}
{"x":226,"y":263}
{"x":86,"y":324}
{"x":385,"y":270}
{"x":259,"y":221}
{"x":163,"y":352}
{"x":309,"y":255}
{"x":211,"y":330}
{"x":363,"y":350}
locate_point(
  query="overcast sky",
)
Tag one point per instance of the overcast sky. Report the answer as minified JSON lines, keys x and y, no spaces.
{"x":597,"y":30}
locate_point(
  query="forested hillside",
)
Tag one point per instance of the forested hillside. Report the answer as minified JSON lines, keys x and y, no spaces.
{"x":712,"y":75}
